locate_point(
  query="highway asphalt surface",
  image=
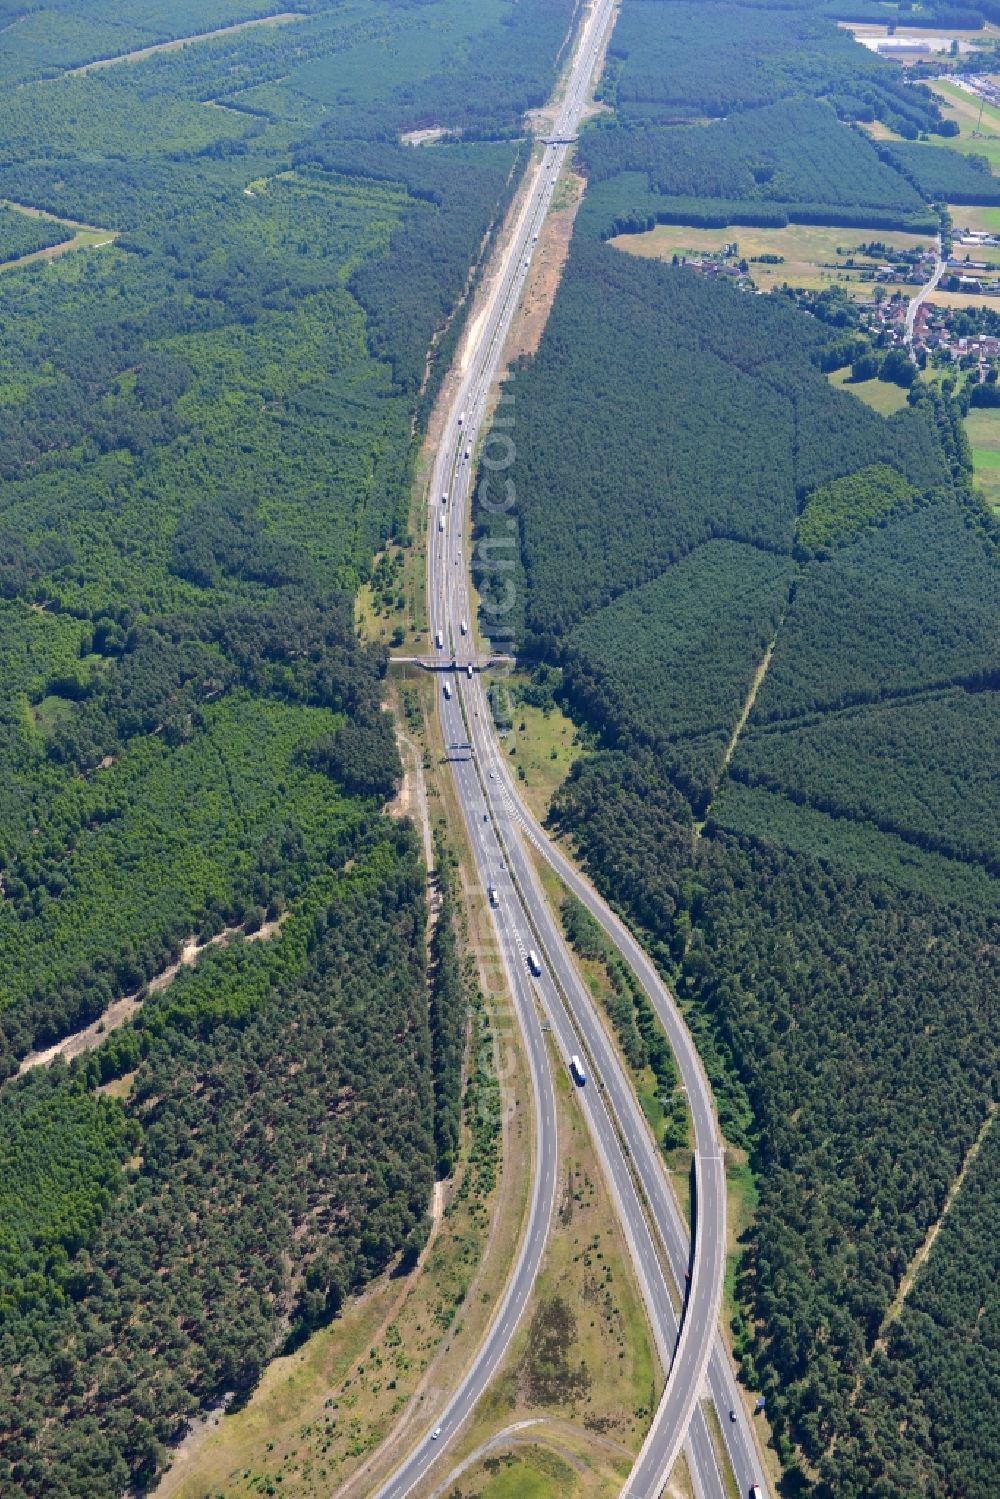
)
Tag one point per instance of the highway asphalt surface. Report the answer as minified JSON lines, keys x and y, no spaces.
{"x":500,"y":828}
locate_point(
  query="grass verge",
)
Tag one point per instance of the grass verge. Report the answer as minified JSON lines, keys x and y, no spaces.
{"x":542,"y":746}
{"x":583,"y":1365}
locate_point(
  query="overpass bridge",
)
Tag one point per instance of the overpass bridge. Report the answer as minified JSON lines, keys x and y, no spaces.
{"x":453,"y":663}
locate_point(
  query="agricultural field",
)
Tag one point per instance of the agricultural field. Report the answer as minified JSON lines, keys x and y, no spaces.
{"x":962,"y":299}
{"x":881,"y":395}
{"x":983,"y":429}
{"x":978,"y":134}
{"x":811,"y":256}
{"x":973,"y":216}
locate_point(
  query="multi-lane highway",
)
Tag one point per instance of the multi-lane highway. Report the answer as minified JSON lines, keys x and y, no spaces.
{"x":500,"y":830}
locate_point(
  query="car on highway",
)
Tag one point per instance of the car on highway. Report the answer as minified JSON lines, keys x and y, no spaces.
{"x":756,"y":1492}
{"x":435,"y":1433}
{"x":732,"y":1415}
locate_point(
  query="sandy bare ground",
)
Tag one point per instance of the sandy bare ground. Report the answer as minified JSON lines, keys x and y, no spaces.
{"x":546,"y":270}
{"x":411,"y":798}
{"x":121,"y":1010}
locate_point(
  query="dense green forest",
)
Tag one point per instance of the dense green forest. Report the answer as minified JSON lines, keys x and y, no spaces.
{"x":706,"y":530}
{"x":724,"y":439}
{"x":890,"y":587}
{"x":732,"y":112}
{"x":796,"y":151}
{"x":668,"y":665}
{"x":836,"y":512}
{"x":942,"y":1352}
{"x":23,"y":234}
{"x":942,"y":175}
{"x":917,"y":767}
{"x":674,"y":58}
{"x":208,"y":425}
{"x":253,"y":1178}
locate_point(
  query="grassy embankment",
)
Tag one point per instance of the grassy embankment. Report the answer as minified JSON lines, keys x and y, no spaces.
{"x":581,"y":1369}
{"x":542,"y":746}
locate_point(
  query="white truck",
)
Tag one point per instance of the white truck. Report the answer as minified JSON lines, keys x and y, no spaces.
{"x":464,"y":627}
{"x":535,"y":963}
{"x":577,"y":1069}
{"x":461,"y":418}
{"x":447,"y":689}
{"x":439,"y":640}
{"x":444,"y":499}
{"x":468,"y":670}
{"x":440,"y":522}
{"x":494,"y":895}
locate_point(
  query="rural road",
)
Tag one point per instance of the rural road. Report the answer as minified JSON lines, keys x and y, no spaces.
{"x":917,"y":302}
